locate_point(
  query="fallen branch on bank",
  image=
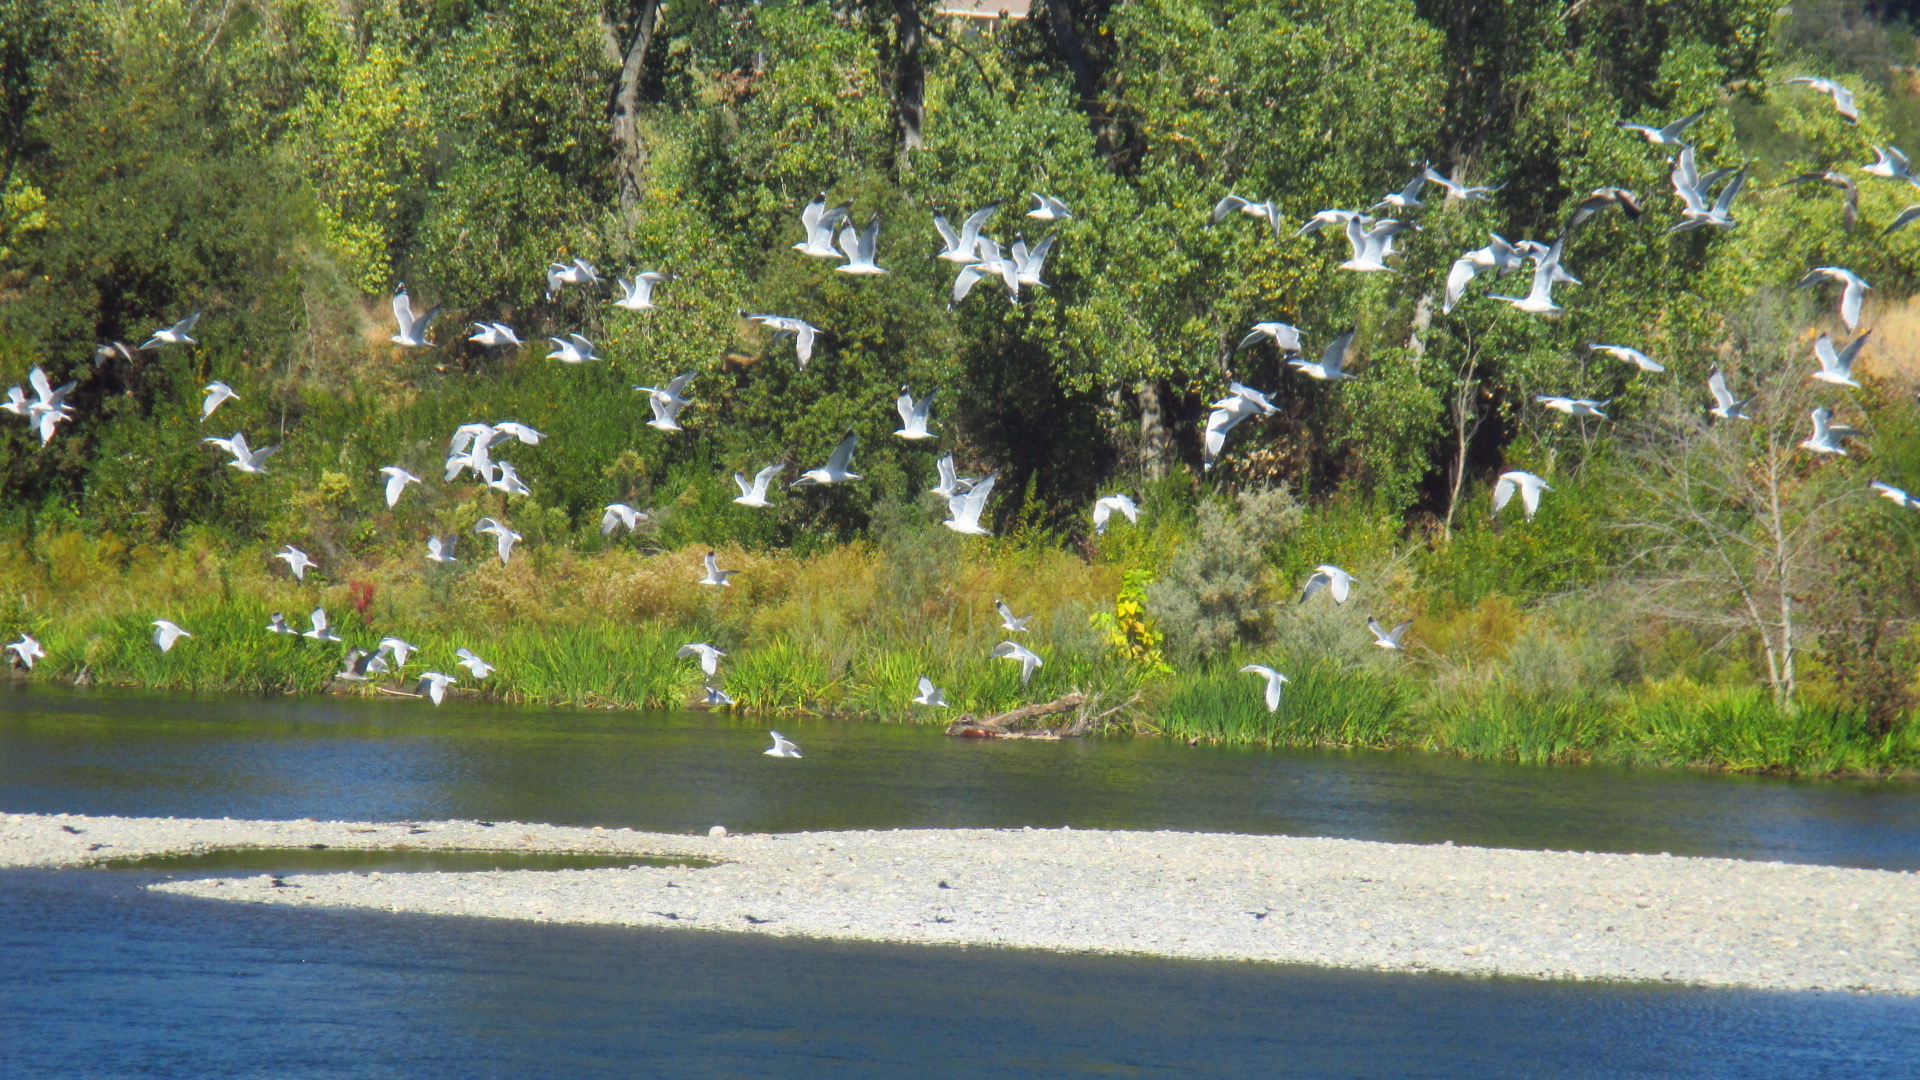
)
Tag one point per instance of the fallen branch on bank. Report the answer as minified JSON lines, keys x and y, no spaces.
{"x":1016,"y":724}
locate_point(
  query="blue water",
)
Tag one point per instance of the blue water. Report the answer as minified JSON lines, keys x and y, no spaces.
{"x":100,"y":978}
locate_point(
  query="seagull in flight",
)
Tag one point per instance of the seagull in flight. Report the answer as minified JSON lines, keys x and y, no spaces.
{"x":397,"y":481}
{"x":1852,"y":293}
{"x":440,"y":549}
{"x":480,"y":668}
{"x":1600,"y":199}
{"x":1226,"y":414}
{"x":1455,"y":189}
{"x":913,"y":415}
{"x":1385,"y":638}
{"x":1539,"y":299}
{"x":577,"y":272}
{"x":516,"y":430}
{"x":434,"y":685}
{"x":1265,"y":211}
{"x":1408,"y":197}
{"x":1325,"y":218}
{"x":990,"y":263}
{"x":709,"y":656}
{"x":1284,"y":337}
{"x":245,"y":459}
{"x":1499,"y":256}
{"x":1890,"y":164}
{"x":166,"y":633}
{"x":574,"y":350}
{"x":754,"y":494}
{"x":929,"y":695}
{"x":1329,"y":368}
{"x":503,"y":537}
{"x":782,"y":325}
{"x":838,"y":467}
{"x":818,"y":220}
{"x":951,"y":483}
{"x":637,"y":295}
{"x":715,"y":575}
{"x":1837,"y":367}
{"x":1048,"y":208}
{"x":1274,"y":679}
{"x":1372,"y":246}
{"x":508,"y":481}
{"x":278,"y":625}
{"x":1572,"y":406}
{"x":1630,"y":355}
{"x":1007,"y":620}
{"x":173,"y":335}
{"x":1027,"y":658}
{"x":1664,"y":136}
{"x":412,"y":330}
{"x":495,"y":334}
{"x":1693,"y":188}
{"x":27,"y":650}
{"x":1887,"y":491}
{"x":218,"y":394}
{"x":1725,"y":405}
{"x":667,"y":401}
{"x":397,"y":648}
{"x":716,"y":697}
{"x":1027,"y":265}
{"x":962,"y":245}
{"x":1850,"y":204}
{"x":620,"y":515}
{"x":297,"y":561}
{"x":859,"y":248}
{"x":1110,"y":505}
{"x":964,"y":509}
{"x":1826,"y":434}
{"x":320,"y":630}
{"x":1527,"y":484}
{"x":1842,"y":97}
{"x":359,"y":665}
{"x":1336,"y":581}
{"x":782,"y":747}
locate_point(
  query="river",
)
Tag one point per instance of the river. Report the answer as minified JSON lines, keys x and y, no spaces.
{"x":101,"y":978}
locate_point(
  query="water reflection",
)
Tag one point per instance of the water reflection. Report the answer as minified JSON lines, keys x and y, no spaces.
{"x":143,"y":754}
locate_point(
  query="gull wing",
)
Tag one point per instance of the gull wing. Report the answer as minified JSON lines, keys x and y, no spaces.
{"x":841,"y":460}
{"x":1224,"y":207}
{"x":1502,"y":493}
{"x":970,"y":229}
{"x":1458,"y":278}
{"x":677,"y":386}
{"x":403,"y":311}
{"x":947,"y":235}
{"x":1336,"y":353}
{"x":1727,"y":194}
{"x":904,"y":405}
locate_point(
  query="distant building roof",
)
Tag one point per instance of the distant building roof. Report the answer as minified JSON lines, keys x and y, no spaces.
{"x":987,"y":9}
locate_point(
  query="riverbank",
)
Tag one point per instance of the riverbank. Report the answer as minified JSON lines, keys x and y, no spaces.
{"x":848,"y":631}
{"x":1397,"y":907}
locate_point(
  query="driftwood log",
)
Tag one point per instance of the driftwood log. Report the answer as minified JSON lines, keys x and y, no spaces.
{"x":1020,"y":722}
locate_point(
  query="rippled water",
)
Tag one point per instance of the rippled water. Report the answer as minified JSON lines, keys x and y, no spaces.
{"x":146,"y":754}
{"x":101,"y":978}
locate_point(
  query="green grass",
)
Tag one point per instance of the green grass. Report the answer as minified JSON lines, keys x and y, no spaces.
{"x":1321,"y":706}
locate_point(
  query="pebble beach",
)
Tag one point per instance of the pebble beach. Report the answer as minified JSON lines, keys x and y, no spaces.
{"x":1272,"y":899}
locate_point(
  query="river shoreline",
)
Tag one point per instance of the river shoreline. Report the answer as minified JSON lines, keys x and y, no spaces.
{"x":1275,"y":899}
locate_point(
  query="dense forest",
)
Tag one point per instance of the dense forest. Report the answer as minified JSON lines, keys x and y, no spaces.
{"x":282,"y":166}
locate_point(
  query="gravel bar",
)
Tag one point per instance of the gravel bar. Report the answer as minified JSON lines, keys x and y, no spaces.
{"x":1347,"y":903}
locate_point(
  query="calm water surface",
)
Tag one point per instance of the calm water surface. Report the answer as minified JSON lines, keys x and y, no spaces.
{"x":101,"y":978}
{"x":146,"y":754}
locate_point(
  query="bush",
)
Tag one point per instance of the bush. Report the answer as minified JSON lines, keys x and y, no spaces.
{"x":1215,"y":593}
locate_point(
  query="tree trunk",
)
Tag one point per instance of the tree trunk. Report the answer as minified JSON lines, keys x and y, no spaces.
{"x":909,"y":76}
{"x":1153,"y":432}
{"x":1086,"y":82}
{"x":629,"y":149}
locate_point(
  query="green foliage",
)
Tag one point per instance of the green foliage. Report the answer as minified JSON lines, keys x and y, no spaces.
{"x":1216,"y":592}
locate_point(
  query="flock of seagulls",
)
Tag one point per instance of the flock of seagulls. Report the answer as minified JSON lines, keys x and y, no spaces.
{"x":829,"y":232}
